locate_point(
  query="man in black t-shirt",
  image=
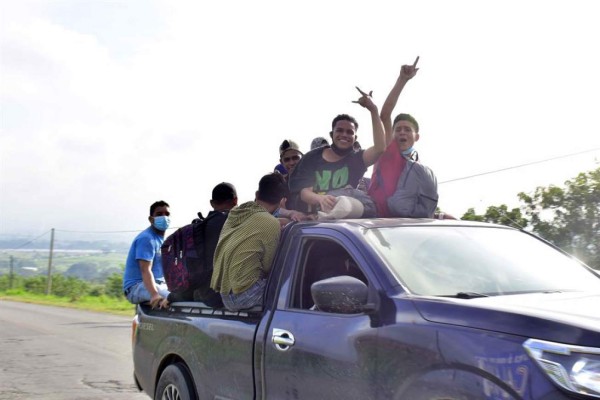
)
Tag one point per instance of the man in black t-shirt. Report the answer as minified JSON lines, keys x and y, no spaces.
{"x":224,"y":198}
{"x":336,"y":166}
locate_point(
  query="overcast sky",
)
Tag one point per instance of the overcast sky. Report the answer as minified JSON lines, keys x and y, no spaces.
{"x":107,"y":106}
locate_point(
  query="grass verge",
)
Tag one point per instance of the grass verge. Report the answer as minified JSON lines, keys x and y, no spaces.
{"x":104,"y":304}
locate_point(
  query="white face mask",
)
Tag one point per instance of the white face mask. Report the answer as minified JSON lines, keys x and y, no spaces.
{"x":162,"y":223}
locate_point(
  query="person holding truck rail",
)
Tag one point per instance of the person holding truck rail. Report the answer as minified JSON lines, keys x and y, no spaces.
{"x":143,"y":278}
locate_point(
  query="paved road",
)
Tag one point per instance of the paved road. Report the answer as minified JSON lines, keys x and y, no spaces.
{"x":59,"y":353}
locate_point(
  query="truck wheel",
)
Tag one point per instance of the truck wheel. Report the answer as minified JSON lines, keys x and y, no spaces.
{"x":175,"y":383}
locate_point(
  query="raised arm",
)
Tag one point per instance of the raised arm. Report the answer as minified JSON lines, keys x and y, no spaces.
{"x":371,"y":154}
{"x":407,"y":72}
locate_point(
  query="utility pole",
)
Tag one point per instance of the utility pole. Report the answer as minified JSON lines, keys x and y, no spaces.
{"x":10,"y":282}
{"x":49,"y":280}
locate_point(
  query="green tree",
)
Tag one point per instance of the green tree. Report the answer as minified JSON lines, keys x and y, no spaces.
{"x":498,"y":215}
{"x":71,"y":287}
{"x":36,"y":284}
{"x":567,"y":216}
{"x":471,"y":215}
{"x":114,"y":285}
{"x":7,"y":283}
{"x":570,"y":216}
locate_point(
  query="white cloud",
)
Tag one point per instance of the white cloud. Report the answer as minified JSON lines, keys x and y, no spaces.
{"x":95,"y":128}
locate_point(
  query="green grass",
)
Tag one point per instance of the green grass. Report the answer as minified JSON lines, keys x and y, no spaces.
{"x":103,"y":304}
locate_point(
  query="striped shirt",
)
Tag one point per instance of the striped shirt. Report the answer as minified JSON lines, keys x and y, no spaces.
{"x":246,"y":248}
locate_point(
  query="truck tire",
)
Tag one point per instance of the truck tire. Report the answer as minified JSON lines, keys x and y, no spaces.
{"x":175,"y":383}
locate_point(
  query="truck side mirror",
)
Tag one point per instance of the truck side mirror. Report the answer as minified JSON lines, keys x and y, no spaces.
{"x":340,"y":294}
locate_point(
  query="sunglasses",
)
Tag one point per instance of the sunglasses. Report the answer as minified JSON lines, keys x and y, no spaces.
{"x":291,"y":158}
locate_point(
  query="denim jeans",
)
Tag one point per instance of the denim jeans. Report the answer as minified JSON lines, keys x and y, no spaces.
{"x":139,"y":294}
{"x":249,"y":298}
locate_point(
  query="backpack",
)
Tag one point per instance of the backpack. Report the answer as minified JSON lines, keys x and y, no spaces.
{"x":184,"y":255}
{"x":416,"y":193}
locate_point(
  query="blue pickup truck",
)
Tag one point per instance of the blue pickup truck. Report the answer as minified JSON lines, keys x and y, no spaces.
{"x":389,"y":309}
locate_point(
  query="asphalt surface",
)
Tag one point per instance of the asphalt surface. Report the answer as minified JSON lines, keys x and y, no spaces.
{"x":60,"y":353}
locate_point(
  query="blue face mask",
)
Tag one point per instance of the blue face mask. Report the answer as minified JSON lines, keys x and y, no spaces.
{"x":408,"y":152}
{"x":162,"y":223}
{"x":276,"y":213}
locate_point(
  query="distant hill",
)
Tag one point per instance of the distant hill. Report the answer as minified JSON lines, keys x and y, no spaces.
{"x":102,"y":245}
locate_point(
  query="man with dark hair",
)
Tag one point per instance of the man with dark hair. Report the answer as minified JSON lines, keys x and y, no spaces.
{"x":337,"y":166}
{"x":247,"y":246}
{"x":143,"y":278}
{"x":224,"y":198}
{"x":223,"y":194}
{"x":401,"y":134}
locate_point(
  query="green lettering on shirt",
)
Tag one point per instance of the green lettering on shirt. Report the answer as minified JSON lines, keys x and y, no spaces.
{"x":326,"y":182}
{"x":340,"y":178}
{"x":322,"y":183}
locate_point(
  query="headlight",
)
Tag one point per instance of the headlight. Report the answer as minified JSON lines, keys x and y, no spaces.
{"x":574,"y":368}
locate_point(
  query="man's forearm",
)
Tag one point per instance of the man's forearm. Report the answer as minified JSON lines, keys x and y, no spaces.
{"x":148,"y":279}
{"x":308,"y":196}
{"x":371,"y":155}
{"x":378,"y":132}
{"x":392,"y":98}
{"x":388,"y":107}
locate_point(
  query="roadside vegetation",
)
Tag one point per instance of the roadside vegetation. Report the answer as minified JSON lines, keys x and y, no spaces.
{"x":68,"y":291}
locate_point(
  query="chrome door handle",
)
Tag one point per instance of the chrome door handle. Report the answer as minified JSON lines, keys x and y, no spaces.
{"x":282,"y":339}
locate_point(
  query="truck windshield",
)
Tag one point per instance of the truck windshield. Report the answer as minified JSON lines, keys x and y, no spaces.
{"x":455,"y":260}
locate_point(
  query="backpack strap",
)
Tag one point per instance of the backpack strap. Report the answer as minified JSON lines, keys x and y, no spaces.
{"x":177,"y":244}
{"x":202,"y":226}
{"x":410,"y":163}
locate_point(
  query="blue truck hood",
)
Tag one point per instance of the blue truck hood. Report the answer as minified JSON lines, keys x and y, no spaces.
{"x":571,"y":317}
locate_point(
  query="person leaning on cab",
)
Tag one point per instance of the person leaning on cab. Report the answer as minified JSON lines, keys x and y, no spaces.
{"x":247,"y":246}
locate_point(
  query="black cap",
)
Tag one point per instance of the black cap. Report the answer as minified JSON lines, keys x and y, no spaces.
{"x":223,"y":191}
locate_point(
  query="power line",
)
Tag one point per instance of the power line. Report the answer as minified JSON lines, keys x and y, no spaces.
{"x":69,"y":231}
{"x":31,"y":241}
{"x":519,"y":166}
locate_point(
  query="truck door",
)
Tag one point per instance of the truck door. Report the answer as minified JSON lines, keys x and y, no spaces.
{"x":312,"y":354}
